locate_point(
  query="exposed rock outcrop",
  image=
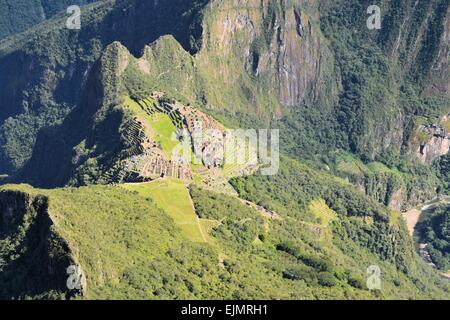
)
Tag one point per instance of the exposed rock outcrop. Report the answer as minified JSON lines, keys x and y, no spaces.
{"x":275,"y":41}
{"x":436,"y":147}
{"x":438,"y":142}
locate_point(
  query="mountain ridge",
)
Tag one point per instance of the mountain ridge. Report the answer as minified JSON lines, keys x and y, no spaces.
{"x":94,"y":115}
{"x":254,"y":59}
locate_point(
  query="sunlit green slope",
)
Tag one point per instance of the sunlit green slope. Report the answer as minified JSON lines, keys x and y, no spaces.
{"x":141,"y":241}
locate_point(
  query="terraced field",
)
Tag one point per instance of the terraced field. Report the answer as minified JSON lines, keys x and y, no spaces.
{"x":159,"y":126}
{"x":173,"y":197}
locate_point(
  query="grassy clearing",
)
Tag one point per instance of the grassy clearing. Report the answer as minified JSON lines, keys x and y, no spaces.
{"x":395,"y":218}
{"x":320,"y":209}
{"x":135,"y":107}
{"x":350,"y":165}
{"x":131,"y":249}
{"x":446,"y":125}
{"x":173,"y":197}
{"x":378,"y":167}
{"x":163,"y":129}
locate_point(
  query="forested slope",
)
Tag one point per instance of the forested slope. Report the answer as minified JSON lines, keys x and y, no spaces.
{"x":20,"y":15}
{"x":130,"y":245}
{"x":364,"y":124}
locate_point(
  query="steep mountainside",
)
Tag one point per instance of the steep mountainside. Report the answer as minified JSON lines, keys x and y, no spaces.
{"x":289,"y":60}
{"x":19,"y":15}
{"x":364,"y":133}
{"x":44,"y":70}
{"x":144,"y":241}
{"x":312,"y":70}
{"x":33,"y":256}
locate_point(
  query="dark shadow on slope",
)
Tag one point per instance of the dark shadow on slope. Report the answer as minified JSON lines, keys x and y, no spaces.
{"x":34,"y":257}
{"x":53,"y":160}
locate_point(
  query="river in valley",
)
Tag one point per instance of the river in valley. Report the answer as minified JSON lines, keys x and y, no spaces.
{"x":414,"y":216}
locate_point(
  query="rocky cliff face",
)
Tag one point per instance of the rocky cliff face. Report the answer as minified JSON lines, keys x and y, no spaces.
{"x":436,"y":147}
{"x":277,"y":42}
{"x":431,"y":141}
{"x":440,"y":69}
{"x":420,"y":42}
{"x":419,"y":38}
